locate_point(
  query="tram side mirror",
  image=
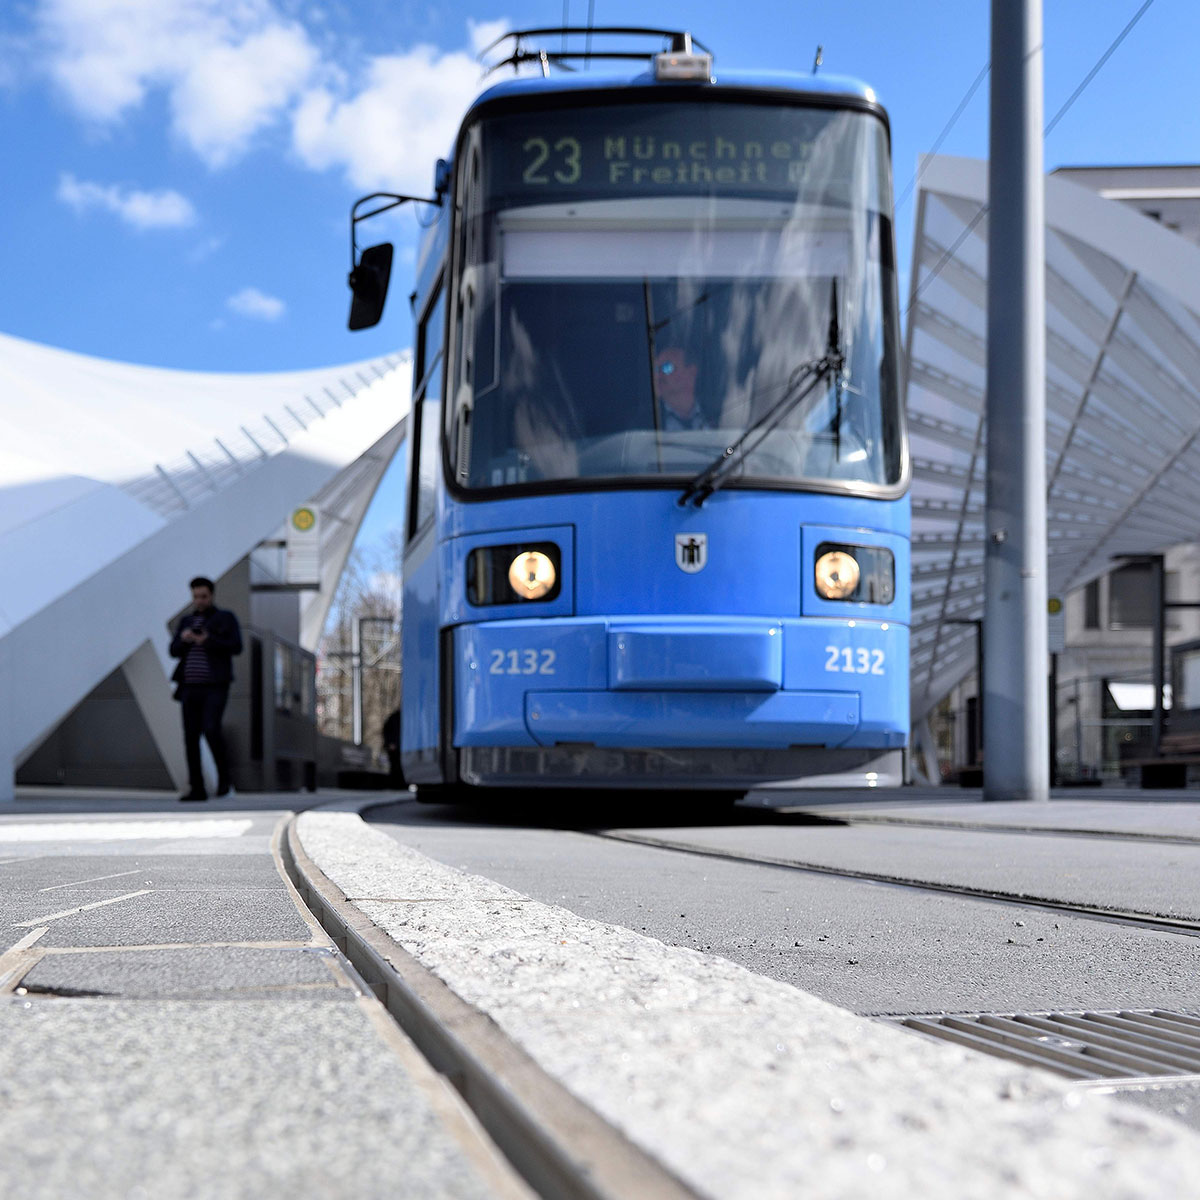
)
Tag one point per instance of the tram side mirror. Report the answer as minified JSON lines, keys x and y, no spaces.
{"x":369,"y":285}
{"x":441,"y":178}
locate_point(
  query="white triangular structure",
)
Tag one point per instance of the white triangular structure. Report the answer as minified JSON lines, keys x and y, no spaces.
{"x":120,"y":482}
{"x":1122,"y":400}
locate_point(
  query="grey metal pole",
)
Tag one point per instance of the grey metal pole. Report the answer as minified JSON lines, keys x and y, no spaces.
{"x":1016,"y":764}
{"x":1052,"y":706}
{"x":356,"y":681}
{"x":1079,"y":735}
{"x":1159,"y":600}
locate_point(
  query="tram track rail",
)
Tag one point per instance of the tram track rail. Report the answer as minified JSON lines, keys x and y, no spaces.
{"x":1149,"y":1044}
{"x":1129,"y":1048}
{"x":1110,"y":835}
{"x":1152,"y":922}
{"x":561,"y":1148}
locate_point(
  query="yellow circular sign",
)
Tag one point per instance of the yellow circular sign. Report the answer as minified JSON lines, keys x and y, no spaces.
{"x":1054,"y":604}
{"x":304,"y":519}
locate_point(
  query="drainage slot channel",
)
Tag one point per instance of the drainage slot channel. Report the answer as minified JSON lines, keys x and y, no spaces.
{"x":1118,"y":1045}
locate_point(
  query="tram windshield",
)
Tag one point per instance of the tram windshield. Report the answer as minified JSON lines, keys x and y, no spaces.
{"x":638,"y":285}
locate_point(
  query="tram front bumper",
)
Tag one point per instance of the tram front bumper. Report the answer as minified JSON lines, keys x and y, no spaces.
{"x":642,"y":719}
{"x":681,"y":682}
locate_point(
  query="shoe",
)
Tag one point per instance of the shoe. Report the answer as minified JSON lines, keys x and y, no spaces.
{"x":225,"y":789}
{"x":192,"y":798}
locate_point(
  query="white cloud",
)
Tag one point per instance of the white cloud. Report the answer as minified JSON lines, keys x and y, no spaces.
{"x":391,"y":132}
{"x":13,"y":51}
{"x":484,"y":33}
{"x":250,"y":302}
{"x":205,"y":249}
{"x":164,"y":209}
{"x":232,"y":91}
{"x":229,"y":67}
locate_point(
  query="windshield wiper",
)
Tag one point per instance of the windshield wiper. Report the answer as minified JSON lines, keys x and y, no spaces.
{"x":801,"y":383}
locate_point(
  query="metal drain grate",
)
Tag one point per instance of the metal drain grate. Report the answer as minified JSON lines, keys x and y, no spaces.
{"x":1081,"y":1045}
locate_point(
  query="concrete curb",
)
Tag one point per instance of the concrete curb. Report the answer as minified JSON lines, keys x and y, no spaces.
{"x":560,"y":1146}
{"x":740,"y":1085}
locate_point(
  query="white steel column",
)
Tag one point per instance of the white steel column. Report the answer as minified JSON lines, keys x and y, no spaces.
{"x":1016,"y":733}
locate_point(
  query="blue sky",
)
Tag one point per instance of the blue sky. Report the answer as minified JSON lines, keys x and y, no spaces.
{"x":177,"y":173}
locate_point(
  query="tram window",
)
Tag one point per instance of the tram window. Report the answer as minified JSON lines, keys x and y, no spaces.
{"x":575,"y":282}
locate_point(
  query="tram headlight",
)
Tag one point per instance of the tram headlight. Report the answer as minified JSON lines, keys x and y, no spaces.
{"x":837,"y":575}
{"x":866,"y":574}
{"x":531,"y":574}
{"x":514,"y":573}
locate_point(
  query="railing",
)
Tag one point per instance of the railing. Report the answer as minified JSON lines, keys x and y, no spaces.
{"x":174,"y":488}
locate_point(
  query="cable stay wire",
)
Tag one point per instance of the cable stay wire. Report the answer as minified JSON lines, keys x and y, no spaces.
{"x":1058,"y":116}
{"x":1062,"y":112}
{"x":941,"y":137}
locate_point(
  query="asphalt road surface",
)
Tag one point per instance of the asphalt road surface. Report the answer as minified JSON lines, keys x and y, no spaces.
{"x":876,"y":948}
{"x":868,"y":946}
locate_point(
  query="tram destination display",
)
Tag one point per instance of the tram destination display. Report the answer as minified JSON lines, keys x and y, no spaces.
{"x":630,"y":150}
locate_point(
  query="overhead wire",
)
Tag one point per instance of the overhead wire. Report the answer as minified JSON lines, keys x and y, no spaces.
{"x":1062,"y":112}
{"x":1058,"y":116}
{"x":941,"y":137}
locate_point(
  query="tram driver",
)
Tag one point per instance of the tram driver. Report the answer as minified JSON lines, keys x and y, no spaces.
{"x":675,"y":390}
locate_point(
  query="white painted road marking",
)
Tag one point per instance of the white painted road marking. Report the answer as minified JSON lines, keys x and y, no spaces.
{"x":70,"y":912}
{"x":120,"y":831}
{"x":95,"y":879}
{"x":32,"y":936}
{"x":10,"y":960}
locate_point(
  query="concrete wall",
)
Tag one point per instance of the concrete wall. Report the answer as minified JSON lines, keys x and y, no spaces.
{"x":105,"y":742}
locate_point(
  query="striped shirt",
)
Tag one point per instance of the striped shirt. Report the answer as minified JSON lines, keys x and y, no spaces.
{"x":197,"y":666}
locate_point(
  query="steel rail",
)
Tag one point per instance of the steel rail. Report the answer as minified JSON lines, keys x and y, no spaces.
{"x":558,"y":1144}
{"x":1112,"y":835}
{"x":1157,"y":922}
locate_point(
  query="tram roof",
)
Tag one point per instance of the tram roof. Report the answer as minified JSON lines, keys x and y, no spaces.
{"x":1122,"y":400}
{"x":614,"y":81}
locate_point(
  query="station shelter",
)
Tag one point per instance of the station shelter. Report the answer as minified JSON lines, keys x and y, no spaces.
{"x":118,"y":484}
{"x":1122,"y":450}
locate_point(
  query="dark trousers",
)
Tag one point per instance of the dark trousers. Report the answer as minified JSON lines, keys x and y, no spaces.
{"x":203,"y":706}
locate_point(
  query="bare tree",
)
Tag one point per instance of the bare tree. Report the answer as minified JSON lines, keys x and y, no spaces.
{"x":369,"y":595}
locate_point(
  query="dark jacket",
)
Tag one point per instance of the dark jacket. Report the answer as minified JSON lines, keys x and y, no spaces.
{"x":224,"y":641}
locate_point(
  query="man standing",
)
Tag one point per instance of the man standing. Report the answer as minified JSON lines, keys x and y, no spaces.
{"x":205,"y":641}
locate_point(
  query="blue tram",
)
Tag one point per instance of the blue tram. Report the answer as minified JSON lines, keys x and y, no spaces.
{"x":658,"y":523}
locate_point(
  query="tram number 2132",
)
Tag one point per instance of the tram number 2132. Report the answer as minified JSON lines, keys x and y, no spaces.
{"x":522,"y":662}
{"x":859,"y":661}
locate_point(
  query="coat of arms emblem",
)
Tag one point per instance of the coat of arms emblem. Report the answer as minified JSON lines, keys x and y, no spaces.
{"x":691,"y":551}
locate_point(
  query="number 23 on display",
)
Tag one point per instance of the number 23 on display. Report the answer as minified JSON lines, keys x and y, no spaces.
{"x":857,"y":662}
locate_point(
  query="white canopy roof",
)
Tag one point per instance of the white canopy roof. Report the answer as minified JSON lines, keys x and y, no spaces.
{"x":1122,"y":400}
{"x":119,"y":481}
{"x":104,"y":453}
